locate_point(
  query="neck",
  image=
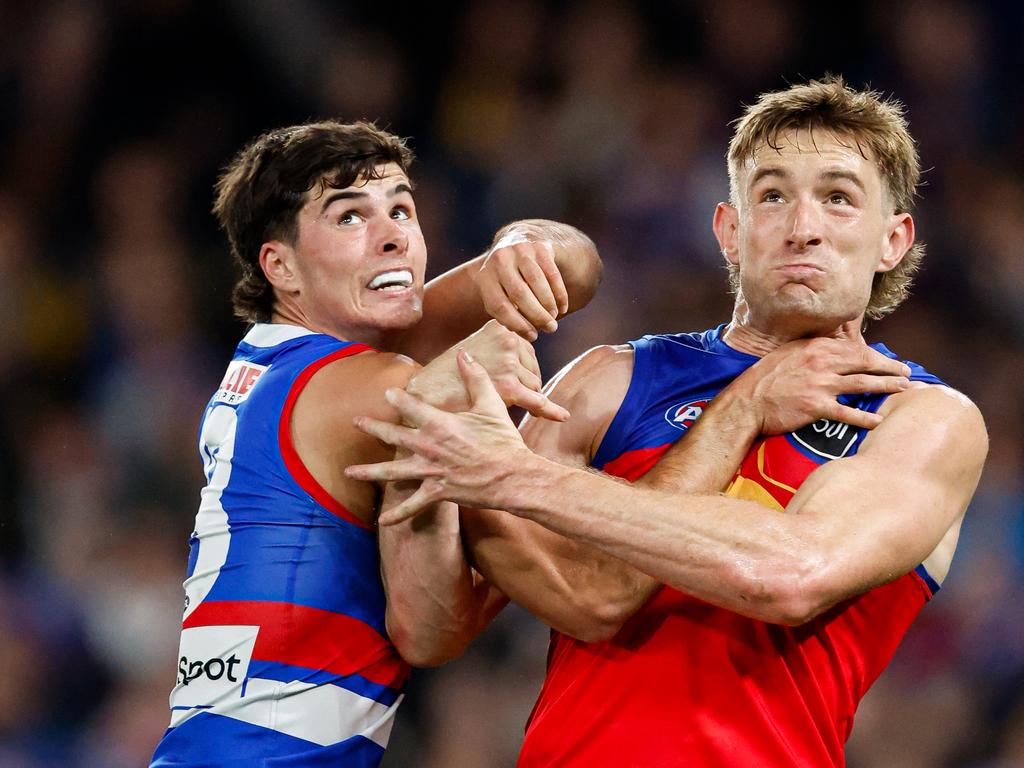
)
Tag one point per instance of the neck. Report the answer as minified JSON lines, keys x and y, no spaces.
{"x":745,"y":336}
{"x":290,"y":314}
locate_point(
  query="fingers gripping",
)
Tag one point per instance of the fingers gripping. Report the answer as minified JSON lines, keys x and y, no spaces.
{"x":546,"y":262}
{"x":484,"y":396}
{"x":540,"y":291}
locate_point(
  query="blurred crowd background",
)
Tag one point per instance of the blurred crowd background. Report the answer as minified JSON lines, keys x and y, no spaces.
{"x":115,"y":323}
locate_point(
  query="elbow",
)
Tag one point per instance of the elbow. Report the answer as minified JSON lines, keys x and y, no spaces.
{"x":597,"y":620}
{"x":580,"y":266}
{"x":418,"y":652}
{"x":794,"y":610}
{"x":423,"y":645}
{"x":793,"y":596}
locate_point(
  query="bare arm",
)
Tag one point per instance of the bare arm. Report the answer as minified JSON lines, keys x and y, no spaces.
{"x":534,"y":272}
{"x":588,"y":594}
{"x":436,"y":603}
{"x":855,"y":523}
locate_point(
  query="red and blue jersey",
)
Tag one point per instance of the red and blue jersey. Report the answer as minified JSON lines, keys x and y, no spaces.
{"x":686,"y":683}
{"x":284,"y":657}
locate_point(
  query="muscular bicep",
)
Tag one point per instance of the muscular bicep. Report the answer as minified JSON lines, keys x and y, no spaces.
{"x":890,"y":506}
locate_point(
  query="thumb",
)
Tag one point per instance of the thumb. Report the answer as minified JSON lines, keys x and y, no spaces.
{"x":482,"y":394}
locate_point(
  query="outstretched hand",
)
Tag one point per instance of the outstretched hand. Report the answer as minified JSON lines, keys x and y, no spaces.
{"x":461,"y":457}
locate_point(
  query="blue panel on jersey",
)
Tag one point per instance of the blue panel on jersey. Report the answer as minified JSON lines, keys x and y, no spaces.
{"x":668,"y":371}
{"x":214,"y":741}
{"x":933,"y":585}
{"x":286,"y":673}
{"x":193,"y":554}
{"x":315,"y":563}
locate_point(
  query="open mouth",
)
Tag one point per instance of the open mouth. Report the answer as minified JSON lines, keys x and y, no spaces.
{"x":394,"y":280}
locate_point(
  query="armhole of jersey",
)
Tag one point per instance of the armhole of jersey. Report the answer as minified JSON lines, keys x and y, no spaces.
{"x":931,"y":584}
{"x":625,"y":417}
{"x":295,"y":466}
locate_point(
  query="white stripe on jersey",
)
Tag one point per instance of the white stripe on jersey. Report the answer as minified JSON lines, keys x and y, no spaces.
{"x":322,"y":714}
{"x":217,"y":445}
{"x":272,"y":334}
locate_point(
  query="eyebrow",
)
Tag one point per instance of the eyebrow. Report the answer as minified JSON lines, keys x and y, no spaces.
{"x":832,"y":174}
{"x":838,"y":175}
{"x":351,"y":195}
{"x":768,"y":170}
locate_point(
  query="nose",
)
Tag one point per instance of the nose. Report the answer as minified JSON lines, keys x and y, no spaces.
{"x":390,"y":236}
{"x":805,"y":227}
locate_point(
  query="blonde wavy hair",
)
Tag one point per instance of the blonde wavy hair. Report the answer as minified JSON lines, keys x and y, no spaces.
{"x":876,"y":126}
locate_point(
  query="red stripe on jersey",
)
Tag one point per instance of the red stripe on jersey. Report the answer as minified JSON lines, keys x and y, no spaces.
{"x":292,"y":462}
{"x":309,"y":637}
{"x":633,"y":464}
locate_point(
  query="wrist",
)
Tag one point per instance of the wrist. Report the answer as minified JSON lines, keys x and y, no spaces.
{"x":536,"y":499}
{"x":738,"y":408}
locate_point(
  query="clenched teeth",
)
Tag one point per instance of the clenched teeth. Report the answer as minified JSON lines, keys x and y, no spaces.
{"x":399,"y":278}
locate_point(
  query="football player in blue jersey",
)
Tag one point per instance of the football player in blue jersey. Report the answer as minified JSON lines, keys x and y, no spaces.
{"x":300,"y":621}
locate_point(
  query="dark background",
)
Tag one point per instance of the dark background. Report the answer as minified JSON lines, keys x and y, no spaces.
{"x":115,"y":323}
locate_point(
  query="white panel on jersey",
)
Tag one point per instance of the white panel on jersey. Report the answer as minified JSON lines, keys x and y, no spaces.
{"x":212,"y":665}
{"x":322,"y":714}
{"x":217,"y":444}
{"x":272,"y":334}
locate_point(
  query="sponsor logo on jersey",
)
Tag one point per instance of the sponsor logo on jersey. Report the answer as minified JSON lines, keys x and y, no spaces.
{"x":827,"y":438}
{"x":214,"y":669}
{"x":683,"y":416}
{"x":212,"y":665}
{"x":238,"y":382}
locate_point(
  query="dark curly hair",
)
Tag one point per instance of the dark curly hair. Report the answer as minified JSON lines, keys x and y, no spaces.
{"x":260,"y":193}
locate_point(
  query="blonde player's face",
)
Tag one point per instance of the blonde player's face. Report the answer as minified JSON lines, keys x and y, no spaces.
{"x":360,"y":257}
{"x":813,"y":226}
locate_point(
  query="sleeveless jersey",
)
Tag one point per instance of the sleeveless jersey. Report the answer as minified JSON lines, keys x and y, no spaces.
{"x":284,"y":658}
{"x":685,"y":683}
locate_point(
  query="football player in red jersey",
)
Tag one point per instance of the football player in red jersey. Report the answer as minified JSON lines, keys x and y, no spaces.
{"x":703,"y":628}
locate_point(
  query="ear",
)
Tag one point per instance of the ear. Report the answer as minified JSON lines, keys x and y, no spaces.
{"x":277,"y":260}
{"x":899,"y":239}
{"x":725,"y":224}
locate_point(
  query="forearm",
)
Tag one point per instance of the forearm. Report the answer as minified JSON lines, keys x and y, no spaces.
{"x":726,"y":551}
{"x":576,"y":589}
{"x":708,"y":456}
{"x":453,"y":303}
{"x":585,"y":592}
{"x":433,"y":600}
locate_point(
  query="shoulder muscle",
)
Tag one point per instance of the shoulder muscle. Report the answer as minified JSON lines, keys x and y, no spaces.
{"x":592,"y":388}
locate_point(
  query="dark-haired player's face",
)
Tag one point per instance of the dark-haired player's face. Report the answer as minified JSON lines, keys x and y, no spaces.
{"x":813,"y":227}
{"x":360,"y":257}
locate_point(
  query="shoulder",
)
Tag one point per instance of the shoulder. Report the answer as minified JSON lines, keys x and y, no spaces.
{"x":354,"y":386}
{"x":600,"y":375}
{"x":592,"y":388}
{"x":935,"y":417}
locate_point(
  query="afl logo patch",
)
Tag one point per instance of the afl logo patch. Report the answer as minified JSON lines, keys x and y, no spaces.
{"x":827,"y":438}
{"x":683,"y":416}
